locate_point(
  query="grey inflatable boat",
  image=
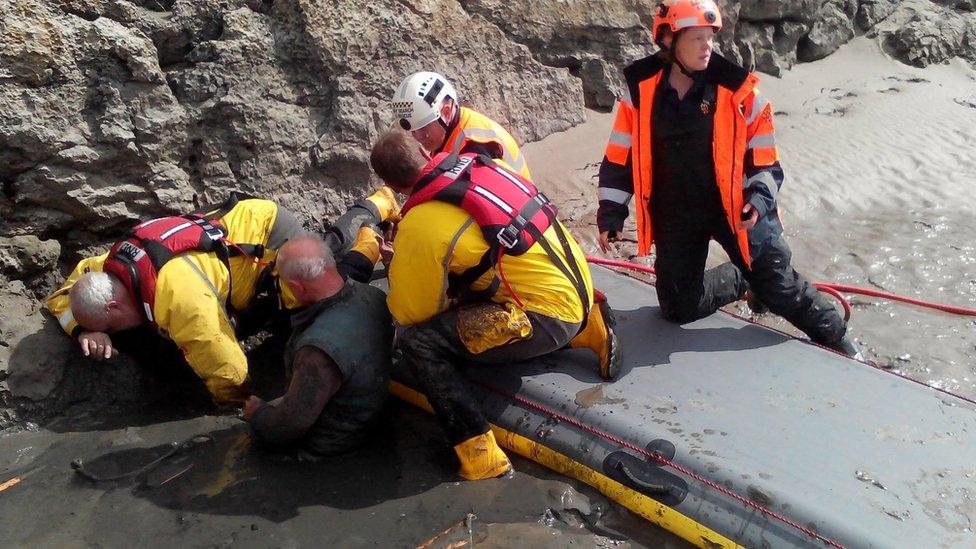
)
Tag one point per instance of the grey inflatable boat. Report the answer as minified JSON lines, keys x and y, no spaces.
{"x":730,"y":434}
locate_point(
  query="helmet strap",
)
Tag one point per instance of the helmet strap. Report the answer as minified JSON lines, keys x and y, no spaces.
{"x":449,"y":126}
{"x":674,"y":56}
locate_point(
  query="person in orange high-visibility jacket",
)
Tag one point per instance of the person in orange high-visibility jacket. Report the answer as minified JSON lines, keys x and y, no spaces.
{"x":694,"y":140}
{"x":427,"y":106}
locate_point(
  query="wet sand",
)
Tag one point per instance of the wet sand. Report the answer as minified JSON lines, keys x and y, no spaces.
{"x":879,"y":165}
{"x":400,"y":491}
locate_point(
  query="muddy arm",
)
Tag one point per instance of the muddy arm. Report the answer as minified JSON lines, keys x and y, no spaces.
{"x":315,"y":379}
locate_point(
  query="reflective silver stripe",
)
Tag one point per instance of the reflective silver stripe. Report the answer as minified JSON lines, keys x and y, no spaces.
{"x":445,"y":302}
{"x":481,"y":132}
{"x":150,"y":222}
{"x":66,"y":318}
{"x":625,"y":98}
{"x":763,"y":178}
{"x":615,"y":195}
{"x":686,"y":22}
{"x":495,"y":200}
{"x":206,"y":281}
{"x":758,"y":105}
{"x":621,"y":139}
{"x":175,"y":230}
{"x":518,"y":164}
{"x":514,"y":180}
{"x":762,"y":141}
{"x":425,"y":121}
{"x":148,"y":310}
{"x":458,"y":140}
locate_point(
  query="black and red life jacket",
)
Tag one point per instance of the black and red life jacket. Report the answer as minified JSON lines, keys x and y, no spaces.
{"x":137,"y":258}
{"x":512,"y":214}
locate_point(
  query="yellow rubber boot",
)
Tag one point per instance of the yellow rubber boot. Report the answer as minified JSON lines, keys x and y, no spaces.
{"x":386,"y":202}
{"x":481,"y":458}
{"x":598,"y":336}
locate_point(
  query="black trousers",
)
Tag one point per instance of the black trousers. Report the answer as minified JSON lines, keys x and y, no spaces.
{"x":435,"y":354}
{"x":687,"y":292}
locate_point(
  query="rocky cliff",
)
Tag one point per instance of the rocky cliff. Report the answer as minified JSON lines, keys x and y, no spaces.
{"x":116,"y":110}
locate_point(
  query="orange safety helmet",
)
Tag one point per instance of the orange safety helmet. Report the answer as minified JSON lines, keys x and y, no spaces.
{"x":683,"y":14}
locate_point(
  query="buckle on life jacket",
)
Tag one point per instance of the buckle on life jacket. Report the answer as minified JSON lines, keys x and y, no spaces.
{"x":510,"y":235}
{"x":214,"y":233}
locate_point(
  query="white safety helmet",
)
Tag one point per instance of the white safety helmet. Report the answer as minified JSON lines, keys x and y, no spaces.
{"x":417,"y":102}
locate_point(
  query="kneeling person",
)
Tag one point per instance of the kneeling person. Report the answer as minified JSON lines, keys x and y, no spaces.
{"x":338,"y":357}
{"x":471,"y":287}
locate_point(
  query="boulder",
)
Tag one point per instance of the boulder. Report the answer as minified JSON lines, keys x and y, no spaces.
{"x":920,"y":33}
{"x":872,"y":12}
{"x":24,"y":256}
{"x":834,"y":27}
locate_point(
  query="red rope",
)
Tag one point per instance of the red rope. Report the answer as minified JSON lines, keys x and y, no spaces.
{"x":501,"y":275}
{"x":952,"y":309}
{"x":829,"y":287}
{"x":666,"y":462}
{"x":835,"y":287}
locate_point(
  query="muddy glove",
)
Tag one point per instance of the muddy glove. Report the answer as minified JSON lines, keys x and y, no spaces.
{"x":489,"y":325}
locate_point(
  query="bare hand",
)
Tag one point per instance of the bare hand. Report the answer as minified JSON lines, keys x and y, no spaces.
{"x":97,"y":345}
{"x":386,"y":244}
{"x":606,"y":239}
{"x":252,"y":405}
{"x":750,"y":215}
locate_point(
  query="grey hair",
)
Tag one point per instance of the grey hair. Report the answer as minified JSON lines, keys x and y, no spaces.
{"x":91,"y":294}
{"x":307,"y":266}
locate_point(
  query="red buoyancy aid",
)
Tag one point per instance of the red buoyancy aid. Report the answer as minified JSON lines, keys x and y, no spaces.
{"x":137,"y":259}
{"x":512,"y":214}
{"x":502,"y":203}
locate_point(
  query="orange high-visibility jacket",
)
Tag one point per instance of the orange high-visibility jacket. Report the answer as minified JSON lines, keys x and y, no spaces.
{"x":474,"y":127}
{"x":744,"y":147}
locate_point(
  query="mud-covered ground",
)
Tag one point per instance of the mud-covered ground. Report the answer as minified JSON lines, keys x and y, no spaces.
{"x":218,"y":490}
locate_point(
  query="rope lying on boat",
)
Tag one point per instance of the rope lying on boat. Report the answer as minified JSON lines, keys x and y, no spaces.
{"x":833,"y":289}
{"x":826,"y":287}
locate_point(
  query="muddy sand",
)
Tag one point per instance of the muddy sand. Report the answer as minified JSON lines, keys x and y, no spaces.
{"x":879,"y":169}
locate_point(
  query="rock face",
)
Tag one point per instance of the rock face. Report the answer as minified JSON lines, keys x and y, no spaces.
{"x":118,"y":110}
{"x":921,"y":33}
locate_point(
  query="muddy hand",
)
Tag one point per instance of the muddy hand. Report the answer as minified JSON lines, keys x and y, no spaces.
{"x":606,"y":237}
{"x":251,"y":406}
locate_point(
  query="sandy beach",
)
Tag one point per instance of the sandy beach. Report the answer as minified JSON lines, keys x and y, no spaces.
{"x":879,"y":166}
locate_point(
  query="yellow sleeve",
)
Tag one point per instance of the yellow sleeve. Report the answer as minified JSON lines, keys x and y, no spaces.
{"x":195,"y":319}
{"x":418,"y":272}
{"x":59,"y":304}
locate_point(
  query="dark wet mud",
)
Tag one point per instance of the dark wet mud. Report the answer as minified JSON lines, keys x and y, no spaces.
{"x":208,"y":485}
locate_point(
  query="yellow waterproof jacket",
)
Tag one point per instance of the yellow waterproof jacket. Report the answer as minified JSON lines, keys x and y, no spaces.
{"x":475,"y":127}
{"x":436,"y":238}
{"x":186,"y":309}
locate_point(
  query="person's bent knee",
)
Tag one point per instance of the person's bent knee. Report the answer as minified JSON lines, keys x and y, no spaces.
{"x":680,"y":311}
{"x":422,"y":342}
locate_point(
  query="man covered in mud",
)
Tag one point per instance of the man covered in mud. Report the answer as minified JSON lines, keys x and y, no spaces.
{"x":338,"y":358}
{"x":193,"y":280}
